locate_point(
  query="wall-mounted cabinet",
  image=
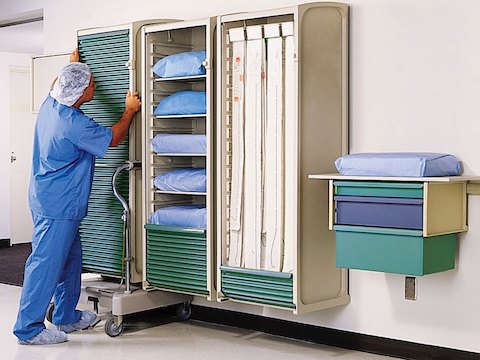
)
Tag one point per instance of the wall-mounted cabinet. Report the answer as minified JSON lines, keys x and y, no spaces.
{"x":397,"y":225}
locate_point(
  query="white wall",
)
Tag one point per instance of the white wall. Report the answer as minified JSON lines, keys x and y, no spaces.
{"x":6,"y":60}
{"x":414,"y":78}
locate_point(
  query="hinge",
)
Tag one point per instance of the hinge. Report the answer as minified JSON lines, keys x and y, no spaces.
{"x":129,"y":65}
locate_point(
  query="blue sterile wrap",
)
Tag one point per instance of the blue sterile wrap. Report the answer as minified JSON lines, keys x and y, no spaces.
{"x":398,"y":164}
{"x":188,"y":63}
{"x":194,"y":216}
{"x":180,"y":144}
{"x":185,"y":102}
{"x":185,"y":180}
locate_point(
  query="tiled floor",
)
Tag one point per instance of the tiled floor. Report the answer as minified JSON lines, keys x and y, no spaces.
{"x":162,"y":337}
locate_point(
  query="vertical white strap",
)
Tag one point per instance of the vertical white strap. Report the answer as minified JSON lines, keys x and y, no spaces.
{"x":290,"y":152}
{"x":238,"y":152}
{"x":253,"y":150}
{"x":274,"y":157}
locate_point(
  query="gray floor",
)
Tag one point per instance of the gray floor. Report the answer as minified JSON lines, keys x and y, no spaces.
{"x":163,"y":339}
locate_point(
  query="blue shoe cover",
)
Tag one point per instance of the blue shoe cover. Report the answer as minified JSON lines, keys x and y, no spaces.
{"x":87,"y":319}
{"x":46,"y":337}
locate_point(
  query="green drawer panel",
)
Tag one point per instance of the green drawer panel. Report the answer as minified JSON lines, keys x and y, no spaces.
{"x":379,"y":189}
{"x":393,"y":250}
{"x":165,"y":243}
{"x":177,"y":258}
{"x":258,"y":286}
{"x":165,"y":230}
{"x":101,"y":232}
{"x":186,"y":275}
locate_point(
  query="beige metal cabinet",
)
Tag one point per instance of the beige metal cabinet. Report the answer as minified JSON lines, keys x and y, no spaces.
{"x":178,"y":259}
{"x":282,"y":103}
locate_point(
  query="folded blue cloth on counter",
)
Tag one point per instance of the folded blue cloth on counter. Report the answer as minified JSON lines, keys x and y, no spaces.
{"x":185,"y":102}
{"x":398,"y":164}
{"x":188,"y":180}
{"x":188,"y":63}
{"x":180,"y":143}
{"x":194,"y":216}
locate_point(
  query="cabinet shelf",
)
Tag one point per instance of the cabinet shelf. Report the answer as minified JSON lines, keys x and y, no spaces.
{"x":177,"y":154}
{"x":183,"y":78}
{"x":185,"y":116}
{"x":181,"y":193}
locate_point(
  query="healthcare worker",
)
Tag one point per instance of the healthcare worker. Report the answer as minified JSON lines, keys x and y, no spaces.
{"x":66,"y":142}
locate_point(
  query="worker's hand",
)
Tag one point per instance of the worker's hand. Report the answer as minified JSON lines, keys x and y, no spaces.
{"x":74,"y":56}
{"x":132,"y":102}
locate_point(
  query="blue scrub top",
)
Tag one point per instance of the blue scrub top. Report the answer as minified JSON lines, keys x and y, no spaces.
{"x":65,"y":145}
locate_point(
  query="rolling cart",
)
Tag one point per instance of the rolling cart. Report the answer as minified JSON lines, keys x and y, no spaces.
{"x":125,"y":298}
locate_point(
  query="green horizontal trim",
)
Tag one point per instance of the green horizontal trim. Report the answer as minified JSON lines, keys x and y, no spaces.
{"x":379,"y":189}
{"x":262,"y":301}
{"x":177,"y":281}
{"x":255,"y":272}
{"x":379,"y":184}
{"x":376,"y":230}
{"x":173,"y":229}
{"x":176,"y":287}
{"x":259,"y":281}
{"x":269,"y":292}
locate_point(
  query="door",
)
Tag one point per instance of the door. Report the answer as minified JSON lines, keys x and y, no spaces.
{"x":22,"y":123}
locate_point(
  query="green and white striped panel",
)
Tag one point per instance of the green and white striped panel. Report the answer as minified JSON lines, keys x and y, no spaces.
{"x":102,"y":231}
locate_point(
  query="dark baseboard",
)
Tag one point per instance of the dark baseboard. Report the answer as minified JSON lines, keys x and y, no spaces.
{"x":331,"y":337}
{"x":4,"y":243}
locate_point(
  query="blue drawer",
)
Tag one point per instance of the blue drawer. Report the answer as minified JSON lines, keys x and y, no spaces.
{"x":402,"y":213}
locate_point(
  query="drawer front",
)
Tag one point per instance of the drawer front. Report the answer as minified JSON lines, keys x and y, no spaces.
{"x":403,"y":213}
{"x":258,"y":286}
{"x":177,"y":259}
{"x":379,"y":189}
{"x":393,"y":250}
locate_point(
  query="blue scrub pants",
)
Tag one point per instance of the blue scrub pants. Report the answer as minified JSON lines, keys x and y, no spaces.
{"x":53,"y":269}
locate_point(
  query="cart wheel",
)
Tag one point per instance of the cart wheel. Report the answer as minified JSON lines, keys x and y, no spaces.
{"x":112,"y":330}
{"x":49,"y":314}
{"x":184,"y":311}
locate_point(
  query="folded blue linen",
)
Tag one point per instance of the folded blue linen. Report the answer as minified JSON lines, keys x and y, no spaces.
{"x":194,"y":216}
{"x":188,"y":63}
{"x":180,"y":144}
{"x":188,"y":180}
{"x":398,"y":164}
{"x":184,"y":102}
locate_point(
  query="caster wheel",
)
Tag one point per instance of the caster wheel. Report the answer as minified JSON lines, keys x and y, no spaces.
{"x":49,"y":314}
{"x":112,"y":330}
{"x":184,"y":311}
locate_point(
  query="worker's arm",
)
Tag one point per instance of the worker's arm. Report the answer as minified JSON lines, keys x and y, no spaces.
{"x":120,"y":128}
{"x":74,"y":57}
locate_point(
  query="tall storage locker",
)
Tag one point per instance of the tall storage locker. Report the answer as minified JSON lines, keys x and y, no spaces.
{"x":282,"y":91}
{"x":178,"y":258}
{"x":111,"y":54}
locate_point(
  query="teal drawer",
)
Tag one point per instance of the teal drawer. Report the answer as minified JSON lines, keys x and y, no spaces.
{"x":177,"y":259}
{"x":396,"y":251}
{"x":258,"y":286}
{"x":379,"y":189}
